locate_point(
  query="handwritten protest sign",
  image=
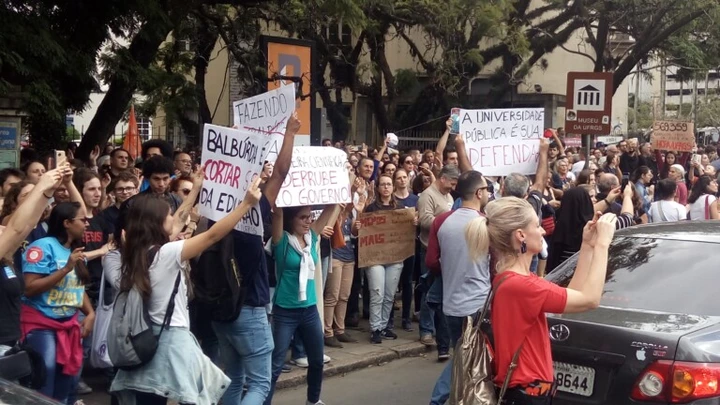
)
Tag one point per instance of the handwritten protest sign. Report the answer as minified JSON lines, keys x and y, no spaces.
{"x":503,"y":141}
{"x":673,"y":135}
{"x":386,"y":237}
{"x":317,"y":176}
{"x":266,"y":113}
{"x":232,"y":160}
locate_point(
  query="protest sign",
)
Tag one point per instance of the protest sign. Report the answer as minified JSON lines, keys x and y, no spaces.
{"x":673,"y":136}
{"x":386,"y":237}
{"x":503,"y":141}
{"x":232,"y":159}
{"x":318,"y":176}
{"x":267,"y":114}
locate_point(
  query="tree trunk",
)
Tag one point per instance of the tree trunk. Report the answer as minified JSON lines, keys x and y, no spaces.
{"x":142,"y":50}
{"x":207,"y":39}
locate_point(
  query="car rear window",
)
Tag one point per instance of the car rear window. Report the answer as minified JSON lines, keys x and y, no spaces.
{"x":657,"y":274}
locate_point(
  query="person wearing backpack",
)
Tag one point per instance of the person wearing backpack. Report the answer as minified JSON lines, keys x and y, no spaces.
{"x":178,"y":370}
{"x":520,"y":299}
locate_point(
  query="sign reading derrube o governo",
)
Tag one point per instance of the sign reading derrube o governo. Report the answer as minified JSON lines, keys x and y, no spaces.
{"x":232,"y":159}
{"x":502,"y":141}
{"x":318,"y":176}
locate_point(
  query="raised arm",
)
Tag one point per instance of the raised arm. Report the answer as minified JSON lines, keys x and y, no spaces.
{"x":194,"y":246}
{"x":328,"y":216}
{"x":28,"y":214}
{"x":541,"y":174}
{"x":185,"y":209}
{"x":587,"y":294}
{"x":277,"y":225}
{"x":586,"y":255}
{"x":442,"y":143}
{"x":463,"y":160}
{"x":282,"y":164}
{"x":75,"y":195}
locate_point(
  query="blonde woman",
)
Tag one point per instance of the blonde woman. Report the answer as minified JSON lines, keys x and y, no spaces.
{"x":521,"y":299}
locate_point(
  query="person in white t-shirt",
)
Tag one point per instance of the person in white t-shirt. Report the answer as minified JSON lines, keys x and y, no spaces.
{"x":665,"y":209}
{"x":702,"y":203}
{"x":179,"y":370}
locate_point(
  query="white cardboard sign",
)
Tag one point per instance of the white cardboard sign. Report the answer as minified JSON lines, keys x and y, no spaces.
{"x":318,"y":176}
{"x":232,"y":159}
{"x":266,"y":114}
{"x":503,"y":141}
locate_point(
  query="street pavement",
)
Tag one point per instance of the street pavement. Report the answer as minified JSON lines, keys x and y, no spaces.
{"x":407,"y":381}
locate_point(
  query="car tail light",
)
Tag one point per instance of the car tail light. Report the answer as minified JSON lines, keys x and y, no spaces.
{"x":677,"y":382}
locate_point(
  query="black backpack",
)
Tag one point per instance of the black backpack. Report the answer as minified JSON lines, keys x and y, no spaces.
{"x":217,"y":282}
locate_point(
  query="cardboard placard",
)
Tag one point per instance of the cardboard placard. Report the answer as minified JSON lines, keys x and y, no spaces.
{"x":318,"y":176}
{"x":503,"y":141}
{"x":266,"y":114}
{"x":232,"y":159}
{"x":676,"y":136}
{"x":386,"y":237}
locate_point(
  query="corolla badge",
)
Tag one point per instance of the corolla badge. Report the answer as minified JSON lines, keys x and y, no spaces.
{"x":559,"y":332}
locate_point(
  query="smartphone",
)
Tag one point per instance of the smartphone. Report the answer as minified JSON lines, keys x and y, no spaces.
{"x":59,"y":158}
{"x":455,"y":116}
{"x":624,"y":182}
{"x":696,"y":158}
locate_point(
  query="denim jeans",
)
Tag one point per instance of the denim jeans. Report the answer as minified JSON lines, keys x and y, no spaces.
{"x":246,"y":346}
{"x":441,"y":392}
{"x":383,"y":282}
{"x":57,"y":385}
{"x":307,"y":322}
{"x":432,"y":320}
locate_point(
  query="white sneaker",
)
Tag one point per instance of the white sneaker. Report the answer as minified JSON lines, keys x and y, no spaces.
{"x":326,"y":360}
{"x":302,"y":362}
{"x":79,"y":402}
{"x":316,"y":403}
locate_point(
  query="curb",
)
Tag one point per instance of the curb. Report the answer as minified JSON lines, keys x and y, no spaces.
{"x":374,"y":359}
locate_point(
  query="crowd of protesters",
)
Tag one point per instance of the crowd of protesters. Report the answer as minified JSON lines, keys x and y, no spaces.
{"x":87,"y":225}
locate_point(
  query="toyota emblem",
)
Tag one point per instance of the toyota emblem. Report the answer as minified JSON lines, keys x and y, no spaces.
{"x":559,"y":332}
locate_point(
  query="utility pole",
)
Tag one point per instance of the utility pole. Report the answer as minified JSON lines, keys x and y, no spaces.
{"x":636,"y":98}
{"x":663,"y":85}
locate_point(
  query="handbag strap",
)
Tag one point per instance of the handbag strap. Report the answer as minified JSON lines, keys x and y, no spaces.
{"x":171,"y":305}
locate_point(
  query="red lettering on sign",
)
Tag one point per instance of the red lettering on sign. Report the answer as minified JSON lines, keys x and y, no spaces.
{"x":370,"y":240}
{"x":222,"y":172}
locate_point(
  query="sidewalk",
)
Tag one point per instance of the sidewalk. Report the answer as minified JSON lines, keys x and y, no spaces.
{"x":354,"y":356}
{"x":363,"y":354}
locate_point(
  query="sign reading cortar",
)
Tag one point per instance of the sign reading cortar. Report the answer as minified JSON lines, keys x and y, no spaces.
{"x":588,"y":105}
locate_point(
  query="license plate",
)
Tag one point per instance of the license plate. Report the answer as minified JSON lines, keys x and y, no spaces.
{"x":574,"y":379}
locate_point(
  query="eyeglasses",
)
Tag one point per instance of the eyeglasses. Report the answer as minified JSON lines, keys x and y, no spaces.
{"x":82,"y":219}
{"x":122,"y":190}
{"x":408,"y":162}
{"x":185,"y":161}
{"x":185,"y":191}
{"x":305,"y":218}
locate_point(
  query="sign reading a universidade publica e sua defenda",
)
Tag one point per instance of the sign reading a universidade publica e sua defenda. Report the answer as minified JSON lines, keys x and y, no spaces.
{"x":232,"y":159}
{"x":502,"y":141}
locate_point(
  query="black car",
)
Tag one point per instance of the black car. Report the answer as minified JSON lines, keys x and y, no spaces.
{"x":656,"y":336}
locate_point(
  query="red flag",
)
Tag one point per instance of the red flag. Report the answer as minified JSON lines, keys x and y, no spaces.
{"x":132,"y":143}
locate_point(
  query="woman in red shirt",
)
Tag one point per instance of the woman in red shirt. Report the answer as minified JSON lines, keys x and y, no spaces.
{"x":514,"y":233}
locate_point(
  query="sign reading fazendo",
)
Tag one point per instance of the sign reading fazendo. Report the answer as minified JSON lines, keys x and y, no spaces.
{"x":502,"y":141}
{"x":588,"y":105}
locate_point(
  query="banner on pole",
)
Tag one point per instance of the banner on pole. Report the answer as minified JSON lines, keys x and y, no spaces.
{"x":266,"y":114}
{"x":673,"y":136}
{"x":386,"y":237}
{"x":318,"y":176}
{"x":232,"y":160}
{"x":503,"y":141}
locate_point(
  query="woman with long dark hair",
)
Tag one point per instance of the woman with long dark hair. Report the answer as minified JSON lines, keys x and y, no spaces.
{"x":702,"y":203}
{"x":383,"y":279}
{"x":297,"y":253}
{"x":521,"y":299}
{"x":151,"y":264}
{"x":55,"y":276}
{"x":576,"y":209}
